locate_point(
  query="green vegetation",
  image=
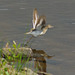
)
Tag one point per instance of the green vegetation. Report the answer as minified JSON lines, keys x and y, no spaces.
{"x":8,"y":63}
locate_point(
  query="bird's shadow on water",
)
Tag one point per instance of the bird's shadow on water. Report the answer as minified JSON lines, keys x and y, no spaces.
{"x":40,"y":61}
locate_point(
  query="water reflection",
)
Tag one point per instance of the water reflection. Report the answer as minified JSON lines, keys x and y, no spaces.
{"x":40,"y":61}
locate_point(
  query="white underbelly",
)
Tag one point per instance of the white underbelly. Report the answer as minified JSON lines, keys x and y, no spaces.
{"x":36,"y":33}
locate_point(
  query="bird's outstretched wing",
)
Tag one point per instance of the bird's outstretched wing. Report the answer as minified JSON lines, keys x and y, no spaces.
{"x":38,"y":22}
{"x":41,"y":21}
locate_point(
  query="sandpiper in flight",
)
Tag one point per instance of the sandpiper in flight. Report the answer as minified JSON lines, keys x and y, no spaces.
{"x":39,"y":27}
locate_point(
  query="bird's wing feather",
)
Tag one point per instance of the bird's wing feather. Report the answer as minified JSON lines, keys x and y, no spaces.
{"x":35,"y":18}
{"x":41,"y":22}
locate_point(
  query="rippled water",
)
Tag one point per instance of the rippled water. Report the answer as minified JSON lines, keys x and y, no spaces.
{"x":16,"y":19}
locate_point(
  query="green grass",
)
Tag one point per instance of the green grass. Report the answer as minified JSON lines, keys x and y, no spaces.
{"x":12,"y":59}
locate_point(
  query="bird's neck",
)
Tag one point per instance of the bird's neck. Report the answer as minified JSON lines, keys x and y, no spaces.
{"x":44,"y":30}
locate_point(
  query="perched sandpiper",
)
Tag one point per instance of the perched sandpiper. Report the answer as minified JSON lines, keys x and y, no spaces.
{"x":39,"y":27}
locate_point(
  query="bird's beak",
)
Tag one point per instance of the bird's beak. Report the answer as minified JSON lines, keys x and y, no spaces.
{"x":51,"y":26}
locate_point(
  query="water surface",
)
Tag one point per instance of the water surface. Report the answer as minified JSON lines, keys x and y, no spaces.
{"x":16,"y":19}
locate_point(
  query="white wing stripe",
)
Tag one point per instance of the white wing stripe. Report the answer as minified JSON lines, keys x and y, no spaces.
{"x":40,"y":22}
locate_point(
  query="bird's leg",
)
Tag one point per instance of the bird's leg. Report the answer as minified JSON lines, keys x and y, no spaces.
{"x":29,"y":40}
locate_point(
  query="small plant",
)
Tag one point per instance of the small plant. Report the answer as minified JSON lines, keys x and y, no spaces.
{"x":17,"y":58}
{"x":16,"y":61}
{"x":3,"y":70}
